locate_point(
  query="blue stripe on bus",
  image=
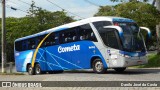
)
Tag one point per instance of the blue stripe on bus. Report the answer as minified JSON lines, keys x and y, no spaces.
{"x":122,"y":20}
{"x":132,"y":54}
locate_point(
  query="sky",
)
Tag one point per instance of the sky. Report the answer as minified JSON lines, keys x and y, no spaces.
{"x":82,"y":8}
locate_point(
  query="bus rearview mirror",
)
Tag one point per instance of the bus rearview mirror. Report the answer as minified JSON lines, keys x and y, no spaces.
{"x":148,"y":36}
{"x":146,"y":29}
{"x":118,"y":28}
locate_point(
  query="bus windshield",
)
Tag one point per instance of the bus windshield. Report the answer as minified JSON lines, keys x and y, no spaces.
{"x":132,"y":41}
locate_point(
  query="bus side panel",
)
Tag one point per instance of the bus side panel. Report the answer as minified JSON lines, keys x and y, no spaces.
{"x":22,"y":59}
{"x":82,"y":58}
{"x":74,"y":59}
{"x":41,"y":58}
{"x":101,"y":53}
{"x":63,"y":59}
{"x":59,"y":57}
{"x":66,"y":56}
{"x":55,"y":61}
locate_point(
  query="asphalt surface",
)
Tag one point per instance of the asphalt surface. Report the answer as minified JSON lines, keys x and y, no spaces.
{"x":130,"y":74}
{"x":152,"y":74}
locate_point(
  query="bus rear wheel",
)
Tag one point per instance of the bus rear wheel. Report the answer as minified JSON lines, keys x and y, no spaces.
{"x":30,"y":70}
{"x":120,"y":69}
{"x":98,"y":66}
{"x":37,"y":69}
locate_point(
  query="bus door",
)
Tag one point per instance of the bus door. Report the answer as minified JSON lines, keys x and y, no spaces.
{"x":113,"y":43}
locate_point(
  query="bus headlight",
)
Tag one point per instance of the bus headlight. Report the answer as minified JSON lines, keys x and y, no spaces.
{"x":126,"y":56}
{"x":121,"y":54}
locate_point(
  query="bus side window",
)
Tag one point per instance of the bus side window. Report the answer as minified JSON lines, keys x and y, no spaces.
{"x":32,"y":44}
{"x":71,"y":35}
{"x":92,"y":37}
{"x":24,"y":45}
{"x":39,"y":39}
{"x":82,"y":34}
{"x":61,"y":37}
{"x":100,"y":24}
{"x":46,"y":42}
{"x":112,"y":40}
{"x":52,"y":39}
{"x":67,"y":36}
{"x":86,"y":33}
{"x":18,"y":46}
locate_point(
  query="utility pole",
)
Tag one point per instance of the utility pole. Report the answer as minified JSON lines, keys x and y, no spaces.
{"x":3,"y":42}
{"x":158,"y":5}
{"x":158,"y":26}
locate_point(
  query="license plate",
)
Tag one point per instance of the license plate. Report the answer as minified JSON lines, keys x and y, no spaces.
{"x":139,"y":62}
{"x":134,"y":58}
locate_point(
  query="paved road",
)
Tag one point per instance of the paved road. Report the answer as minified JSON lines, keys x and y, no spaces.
{"x":89,"y":75}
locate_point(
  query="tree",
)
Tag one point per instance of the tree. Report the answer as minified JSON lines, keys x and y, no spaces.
{"x":157,"y":2}
{"x":42,"y":19}
{"x":153,"y":2}
{"x":127,"y":0}
{"x":144,"y":14}
{"x":36,"y":21}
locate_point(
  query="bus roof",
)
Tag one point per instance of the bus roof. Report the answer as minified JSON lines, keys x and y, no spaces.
{"x":77,"y":23}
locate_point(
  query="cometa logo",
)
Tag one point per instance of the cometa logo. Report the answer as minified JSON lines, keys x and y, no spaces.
{"x":68,"y":49}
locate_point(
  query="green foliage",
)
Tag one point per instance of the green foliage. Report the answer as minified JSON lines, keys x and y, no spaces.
{"x":106,"y":11}
{"x":144,"y":14}
{"x":38,"y":20}
{"x":127,"y":0}
{"x":153,"y":61}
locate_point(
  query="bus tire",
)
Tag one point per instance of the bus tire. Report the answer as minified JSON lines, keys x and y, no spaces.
{"x":120,"y":69}
{"x":38,"y":69}
{"x":98,"y":66}
{"x":30,"y":70}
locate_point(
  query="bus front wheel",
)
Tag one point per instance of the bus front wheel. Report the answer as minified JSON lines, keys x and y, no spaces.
{"x":98,"y":66}
{"x":120,"y":69}
{"x":30,"y":70}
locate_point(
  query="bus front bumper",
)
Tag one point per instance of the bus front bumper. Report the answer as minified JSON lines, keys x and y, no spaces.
{"x":128,"y":61}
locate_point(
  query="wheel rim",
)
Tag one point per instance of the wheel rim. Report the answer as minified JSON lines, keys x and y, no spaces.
{"x":38,"y":70}
{"x":30,"y":70}
{"x":99,"y":66}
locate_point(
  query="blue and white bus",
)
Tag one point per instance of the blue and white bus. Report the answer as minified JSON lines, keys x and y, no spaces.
{"x":97,"y":43}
